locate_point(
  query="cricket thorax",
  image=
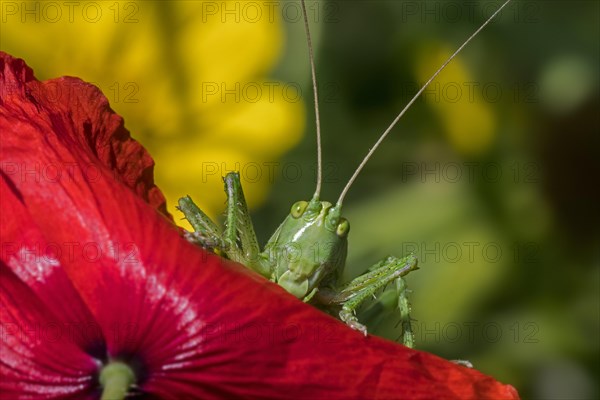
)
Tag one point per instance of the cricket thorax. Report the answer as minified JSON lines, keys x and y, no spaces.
{"x":310,"y":246}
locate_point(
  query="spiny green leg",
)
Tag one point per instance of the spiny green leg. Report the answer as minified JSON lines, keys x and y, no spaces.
{"x":239,"y":230}
{"x":206,"y":233}
{"x":389,"y":303}
{"x":365,"y":286}
{"x":408,"y":338}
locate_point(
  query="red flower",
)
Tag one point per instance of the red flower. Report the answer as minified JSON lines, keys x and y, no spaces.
{"x":93,"y":271}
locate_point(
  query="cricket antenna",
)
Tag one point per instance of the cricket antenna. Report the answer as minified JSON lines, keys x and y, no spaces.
{"x":395,"y":121}
{"x":314,"y":83}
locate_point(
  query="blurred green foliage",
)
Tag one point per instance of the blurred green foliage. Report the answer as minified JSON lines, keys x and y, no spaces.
{"x":508,"y":235}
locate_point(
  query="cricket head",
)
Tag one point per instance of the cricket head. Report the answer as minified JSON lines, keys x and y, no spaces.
{"x":311,"y":245}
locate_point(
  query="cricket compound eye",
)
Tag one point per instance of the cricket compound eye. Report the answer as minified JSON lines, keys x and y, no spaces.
{"x":343,"y":228}
{"x":298,"y":209}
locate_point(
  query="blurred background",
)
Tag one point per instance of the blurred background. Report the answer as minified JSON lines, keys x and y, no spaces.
{"x":489,"y":178}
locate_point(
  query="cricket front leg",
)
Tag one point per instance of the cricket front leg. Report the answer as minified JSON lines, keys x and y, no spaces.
{"x":239,"y":230}
{"x":206,"y":233}
{"x":355,"y":293}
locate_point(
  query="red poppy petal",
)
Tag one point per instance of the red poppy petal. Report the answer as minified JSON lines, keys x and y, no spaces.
{"x":83,"y":121}
{"x":192,"y":325}
{"x":44,"y":325}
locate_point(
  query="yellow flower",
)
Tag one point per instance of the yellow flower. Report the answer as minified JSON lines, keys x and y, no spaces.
{"x":189,"y":78}
{"x":469,"y":122}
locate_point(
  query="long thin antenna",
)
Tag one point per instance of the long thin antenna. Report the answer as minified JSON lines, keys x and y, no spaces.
{"x":383,"y":136}
{"x":314,"y":82}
